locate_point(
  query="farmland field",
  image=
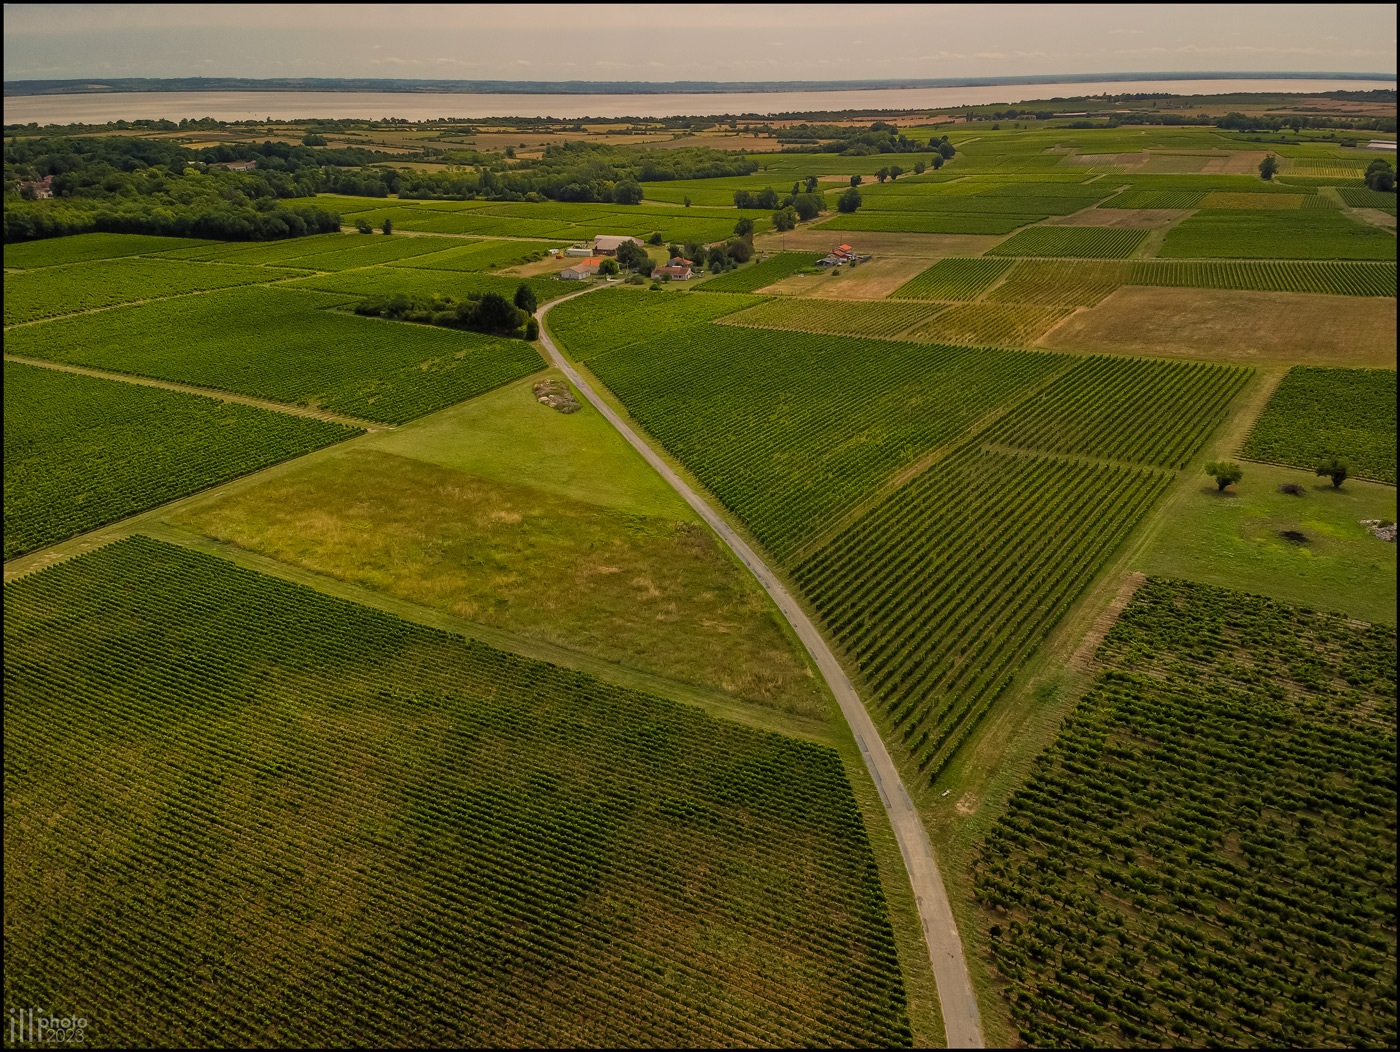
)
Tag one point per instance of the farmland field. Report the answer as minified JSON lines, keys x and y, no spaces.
{"x":1062,"y":284}
{"x":880,"y":318}
{"x":406,"y":824}
{"x":1266,"y":235}
{"x":84,"y":248}
{"x":1083,"y":242}
{"x":1362,"y":197}
{"x":389,"y":280}
{"x":81,"y":451}
{"x":478,"y":255}
{"x":323,"y":252}
{"x":49,"y":292}
{"x":930,"y":222}
{"x":1318,"y":413}
{"x":366,"y":367}
{"x":1206,"y":855}
{"x":953,"y":279}
{"x":990,"y":324}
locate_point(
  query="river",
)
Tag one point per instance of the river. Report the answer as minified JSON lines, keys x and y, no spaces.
{"x":245,"y":105}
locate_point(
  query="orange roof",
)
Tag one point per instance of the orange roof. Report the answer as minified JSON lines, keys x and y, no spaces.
{"x":846,"y":247}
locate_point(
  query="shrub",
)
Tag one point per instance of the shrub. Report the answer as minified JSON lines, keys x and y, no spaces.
{"x":1291,"y":488}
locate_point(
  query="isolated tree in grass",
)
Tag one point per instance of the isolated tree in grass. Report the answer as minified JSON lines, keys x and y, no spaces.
{"x":1334,"y":469}
{"x":946,"y":150}
{"x":895,"y":172}
{"x":656,"y":239}
{"x":882,"y":175}
{"x":855,"y":181}
{"x":388,"y":226}
{"x":1268,"y":167}
{"x":849,"y":201}
{"x":364,"y":226}
{"x":686,"y":200}
{"x":744,"y":227}
{"x":525,"y":298}
{"x":919,"y":167}
{"x":937,"y":163}
{"x":1225,"y":472}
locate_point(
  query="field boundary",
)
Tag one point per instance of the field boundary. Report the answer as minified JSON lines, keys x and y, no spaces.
{"x":961,"y":1018}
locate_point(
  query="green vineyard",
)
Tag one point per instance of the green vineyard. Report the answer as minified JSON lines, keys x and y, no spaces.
{"x":877,"y":318}
{"x":788,"y":429}
{"x":1081,"y":242}
{"x":1205,"y":857}
{"x":1310,"y":234}
{"x":287,"y":346}
{"x":1316,"y":414}
{"x":1056,"y":283}
{"x":84,"y":248}
{"x":991,"y":324}
{"x":941,"y":592}
{"x":1137,"y":409}
{"x":405,"y":837}
{"x":953,"y":279}
{"x":81,"y":452}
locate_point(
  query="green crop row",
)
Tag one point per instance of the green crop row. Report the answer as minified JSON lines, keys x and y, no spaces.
{"x":1156,"y":199}
{"x":54,"y":291}
{"x":1137,"y":409}
{"x":953,"y":279}
{"x":385,"y":826}
{"x":930,"y":222}
{"x":1310,"y":234}
{"x":1083,"y":242}
{"x":1316,"y":414}
{"x":1206,"y":854}
{"x":878,"y":318}
{"x":942,"y":591}
{"x":1364,"y":197}
{"x":84,"y":248}
{"x":990,"y":324}
{"x":479,"y":255}
{"x":288,"y":346}
{"x":1058,"y":283}
{"x":81,"y":452}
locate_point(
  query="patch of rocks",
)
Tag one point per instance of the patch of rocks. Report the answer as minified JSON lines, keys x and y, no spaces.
{"x":1381,"y":528}
{"x":557,"y":395}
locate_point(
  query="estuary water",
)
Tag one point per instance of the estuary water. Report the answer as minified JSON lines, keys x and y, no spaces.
{"x":99,"y":108}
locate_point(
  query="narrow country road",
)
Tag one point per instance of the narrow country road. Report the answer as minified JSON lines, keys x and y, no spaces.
{"x":955,"y":996}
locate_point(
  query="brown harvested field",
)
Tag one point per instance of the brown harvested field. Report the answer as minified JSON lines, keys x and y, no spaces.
{"x":548,"y":265}
{"x":1256,"y":202}
{"x":1098,"y":160}
{"x":1238,"y":162}
{"x":723,"y":141}
{"x":1135,"y":218}
{"x":869,"y":281}
{"x":1256,"y":327}
{"x":1160,"y":163}
{"x":1374,"y":216}
{"x":880,"y":243}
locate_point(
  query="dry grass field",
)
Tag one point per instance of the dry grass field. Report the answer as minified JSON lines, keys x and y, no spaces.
{"x":869,"y":281}
{"x":1250,"y":327}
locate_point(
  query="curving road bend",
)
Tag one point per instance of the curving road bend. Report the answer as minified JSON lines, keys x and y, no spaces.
{"x":956,"y":999}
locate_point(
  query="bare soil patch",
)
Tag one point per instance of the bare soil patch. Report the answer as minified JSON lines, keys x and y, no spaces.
{"x":1374,"y":216}
{"x":1125,"y":160}
{"x":1255,"y":327}
{"x":1135,"y":218}
{"x":869,"y":281}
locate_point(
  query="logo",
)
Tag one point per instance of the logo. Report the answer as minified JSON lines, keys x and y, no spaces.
{"x":35,"y":1026}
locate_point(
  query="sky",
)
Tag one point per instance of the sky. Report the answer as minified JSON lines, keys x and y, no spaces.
{"x":720,"y":42}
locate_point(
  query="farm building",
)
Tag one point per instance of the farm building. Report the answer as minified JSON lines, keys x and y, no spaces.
{"x":606,"y":244}
{"x":581,"y":251}
{"x":584,"y":268}
{"x":236,"y":166}
{"x":840,"y":254}
{"x":40,"y":187}
{"x":672,"y":270}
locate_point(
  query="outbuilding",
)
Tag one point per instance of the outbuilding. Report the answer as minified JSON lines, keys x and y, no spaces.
{"x":606,"y":244}
{"x":585,"y":268}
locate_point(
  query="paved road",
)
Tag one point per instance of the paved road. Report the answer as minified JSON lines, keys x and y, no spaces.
{"x":958,"y":1003}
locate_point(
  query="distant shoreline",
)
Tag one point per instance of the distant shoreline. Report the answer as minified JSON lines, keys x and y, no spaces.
{"x":126,"y":85}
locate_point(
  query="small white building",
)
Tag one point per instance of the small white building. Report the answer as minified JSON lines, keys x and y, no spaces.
{"x":579,"y":251}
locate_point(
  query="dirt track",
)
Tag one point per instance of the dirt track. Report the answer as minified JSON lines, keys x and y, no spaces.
{"x":957,"y":1001}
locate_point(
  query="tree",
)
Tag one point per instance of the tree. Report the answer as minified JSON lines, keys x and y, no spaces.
{"x":919,"y":167}
{"x":687,"y":201}
{"x":656,"y":239}
{"x":495,"y":313}
{"x":673,"y":250}
{"x":849,"y":201}
{"x":717,"y":258}
{"x":766,"y":198}
{"x":388,"y":226}
{"x":608,"y":268}
{"x":808,"y":206}
{"x":312,"y":139}
{"x":882,"y":175}
{"x":740,"y":250}
{"x":532,"y":330}
{"x":1268,"y":167}
{"x":811,"y":184}
{"x":784,"y":219}
{"x":1225,"y":473}
{"x":364,"y":226}
{"x":632,"y":256}
{"x":1334,"y":469}
{"x":744,"y":227}
{"x":895,"y":172}
{"x":946,"y":149}
{"x":938,"y":162}
{"x":525,"y":298}
{"x":1380,"y":176}
{"x":627,"y":192}
{"x":855,"y":181}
